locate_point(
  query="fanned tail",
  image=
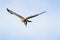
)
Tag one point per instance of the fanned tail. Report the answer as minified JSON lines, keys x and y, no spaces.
{"x":26,"y":22}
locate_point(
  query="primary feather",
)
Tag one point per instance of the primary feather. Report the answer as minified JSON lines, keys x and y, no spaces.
{"x":10,"y":11}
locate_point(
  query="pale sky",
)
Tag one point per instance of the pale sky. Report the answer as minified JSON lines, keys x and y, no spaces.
{"x":43,"y":27}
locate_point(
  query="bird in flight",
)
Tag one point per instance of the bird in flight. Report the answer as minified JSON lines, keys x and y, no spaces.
{"x":24,"y":20}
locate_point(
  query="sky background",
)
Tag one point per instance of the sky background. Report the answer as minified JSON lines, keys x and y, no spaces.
{"x":43,"y":27}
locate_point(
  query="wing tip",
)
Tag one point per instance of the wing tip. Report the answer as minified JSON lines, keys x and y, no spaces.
{"x":9,"y":10}
{"x":44,"y":11}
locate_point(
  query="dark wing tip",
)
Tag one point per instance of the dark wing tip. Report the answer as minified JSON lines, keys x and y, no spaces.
{"x":7,"y":9}
{"x":43,"y":12}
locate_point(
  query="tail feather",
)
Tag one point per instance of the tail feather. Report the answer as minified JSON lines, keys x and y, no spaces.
{"x":25,"y":24}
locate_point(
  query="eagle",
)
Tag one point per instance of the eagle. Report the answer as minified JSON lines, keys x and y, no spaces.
{"x":24,"y":20}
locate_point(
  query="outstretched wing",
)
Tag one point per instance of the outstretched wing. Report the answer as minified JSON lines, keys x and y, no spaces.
{"x":10,"y":11}
{"x":35,"y":15}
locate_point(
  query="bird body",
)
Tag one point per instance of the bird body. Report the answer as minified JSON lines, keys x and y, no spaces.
{"x":25,"y":20}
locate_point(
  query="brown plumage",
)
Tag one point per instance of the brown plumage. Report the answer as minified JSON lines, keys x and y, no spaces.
{"x":25,"y":20}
